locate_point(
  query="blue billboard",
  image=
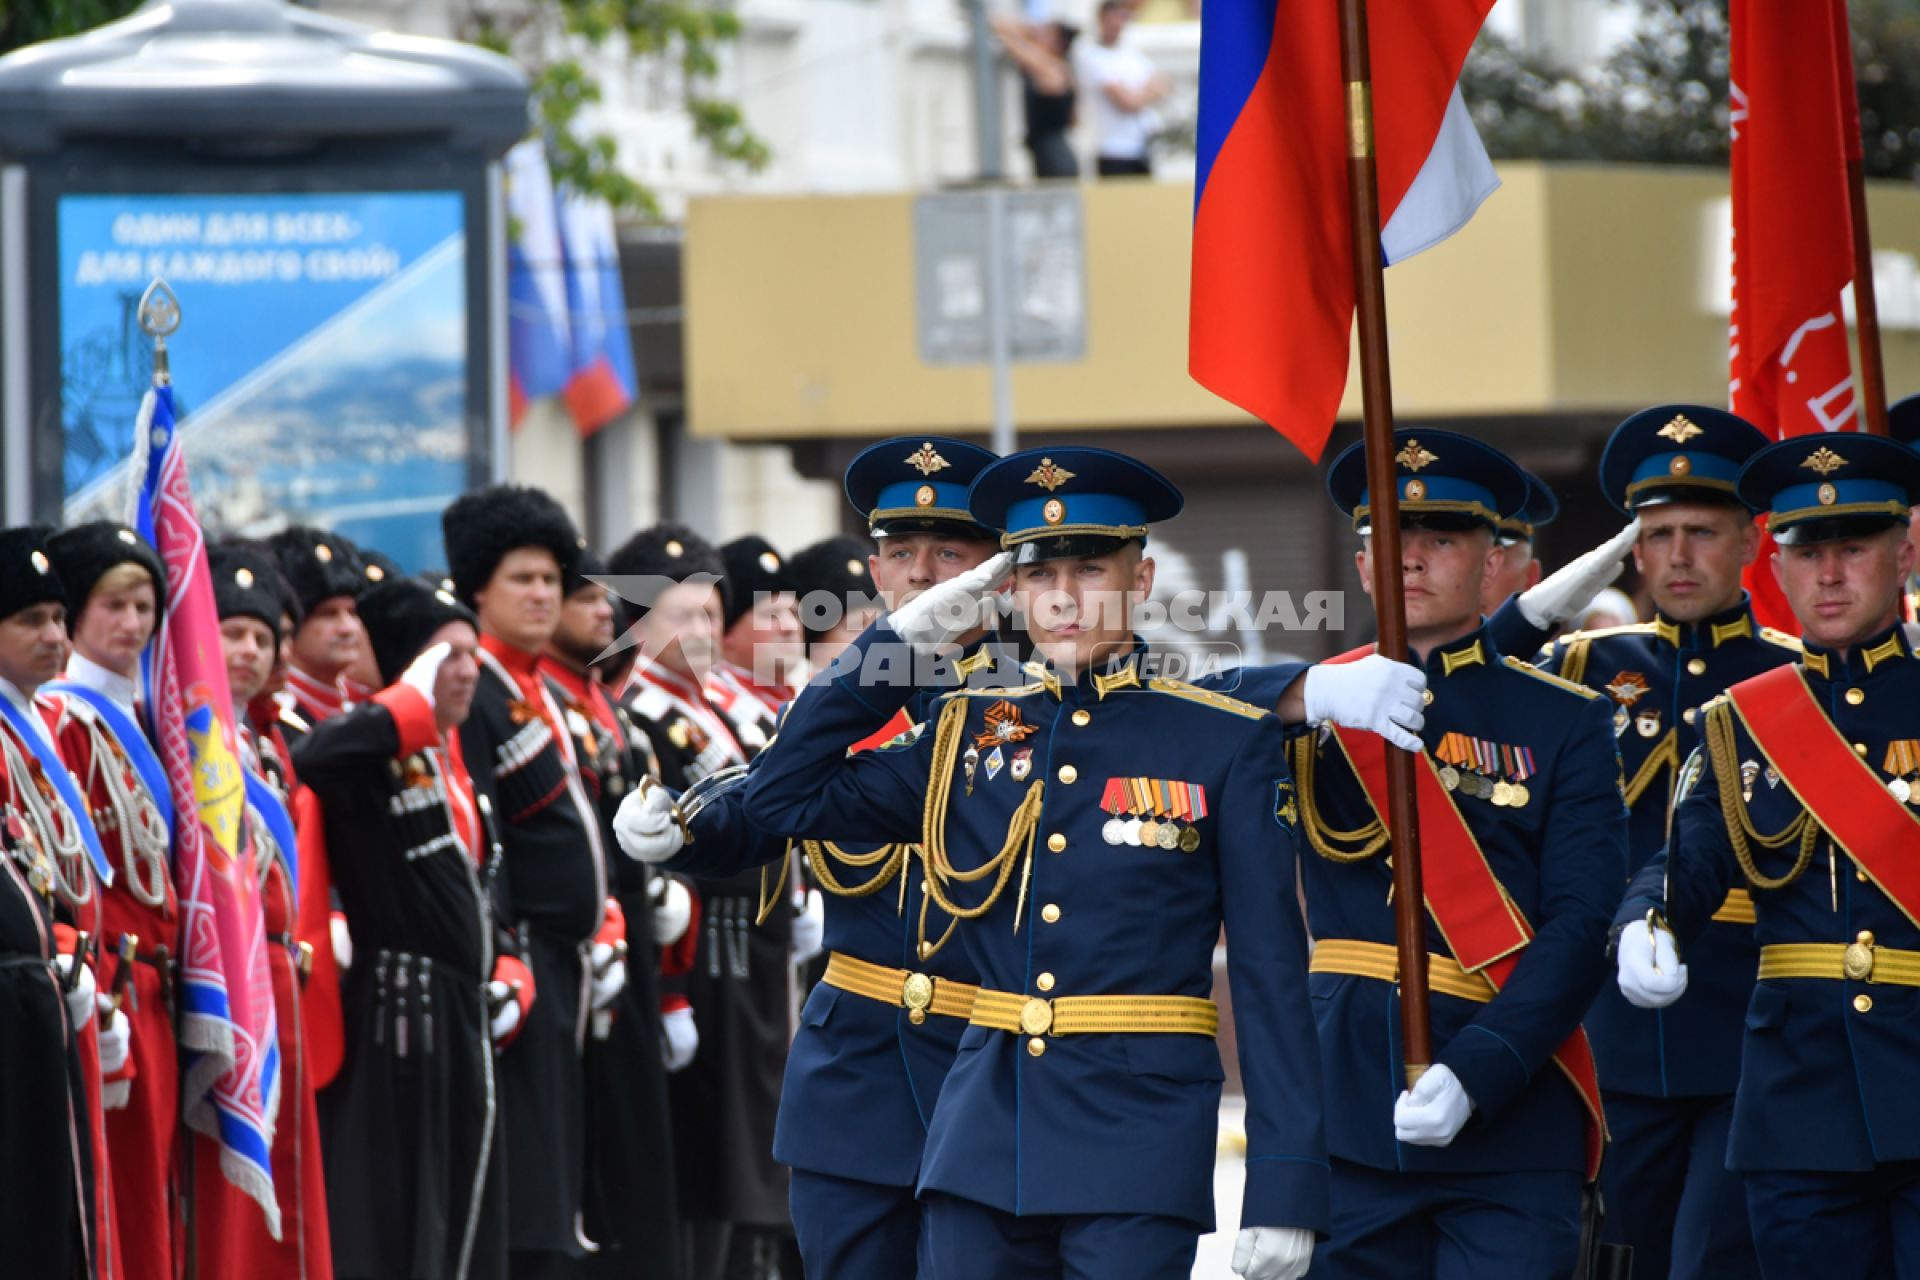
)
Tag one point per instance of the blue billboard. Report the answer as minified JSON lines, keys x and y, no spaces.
{"x":321,"y":366}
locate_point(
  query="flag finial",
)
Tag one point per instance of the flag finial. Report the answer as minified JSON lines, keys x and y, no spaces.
{"x":159,"y":316}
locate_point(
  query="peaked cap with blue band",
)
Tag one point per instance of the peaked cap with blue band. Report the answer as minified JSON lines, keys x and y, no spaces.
{"x":1443,"y":476}
{"x":1903,"y":421}
{"x":1677,"y":453}
{"x":917,"y":484}
{"x":1541,"y":509}
{"x":1840,"y":484}
{"x":1070,"y":501}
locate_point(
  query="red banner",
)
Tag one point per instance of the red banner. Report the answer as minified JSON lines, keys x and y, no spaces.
{"x":1794,"y":117}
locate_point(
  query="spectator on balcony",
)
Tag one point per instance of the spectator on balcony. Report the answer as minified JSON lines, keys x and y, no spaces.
{"x":1042,"y":51}
{"x":1125,"y":86}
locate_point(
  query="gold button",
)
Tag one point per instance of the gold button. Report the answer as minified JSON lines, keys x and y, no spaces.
{"x":1688,"y":715}
{"x":1037,"y":1046}
{"x":1860,"y":749}
{"x":1082,"y":717}
{"x":1863,"y":1003}
{"x":1426,"y":697}
{"x":1860,"y":875}
{"x":1856,"y":696}
{"x":1044,"y":982}
{"x":926,"y":949}
{"x":1069,"y":774}
{"x":1056,"y":842}
{"x":1050,"y":913}
{"x":1866,"y":938}
{"x":1697,"y":666}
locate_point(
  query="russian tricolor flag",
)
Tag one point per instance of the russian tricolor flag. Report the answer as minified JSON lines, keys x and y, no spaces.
{"x":1273,"y":292}
{"x":602,"y":384}
{"x":539,"y":339}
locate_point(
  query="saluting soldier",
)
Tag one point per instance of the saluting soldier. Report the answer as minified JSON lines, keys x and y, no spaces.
{"x":116,"y":586}
{"x":509,"y":549}
{"x":1669,"y":1080}
{"x":631,"y":1202}
{"x":1476,"y":1168}
{"x":1075,"y":1132}
{"x":878,"y":1034}
{"x":732,"y":1193}
{"x":1804,"y":794}
{"x":50,"y":1213}
{"x":1518,"y":569}
{"x":438,"y":981}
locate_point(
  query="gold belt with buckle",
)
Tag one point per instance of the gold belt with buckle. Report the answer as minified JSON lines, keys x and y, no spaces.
{"x":1857,"y":961}
{"x":1094,"y":1015}
{"x":1378,"y":960}
{"x":918,"y":993}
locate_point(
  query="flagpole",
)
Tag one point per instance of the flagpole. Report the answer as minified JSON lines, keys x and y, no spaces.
{"x":1383,"y":497}
{"x":1866,"y":305}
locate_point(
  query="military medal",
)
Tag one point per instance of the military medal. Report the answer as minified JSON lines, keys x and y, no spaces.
{"x":995,"y":762}
{"x":1449,"y":777}
{"x":1168,"y":836}
{"x":1003,"y":724}
{"x":1903,"y":758}
{"x":968,"y":762}
{"x":1021,"y":765}
{"x":1502,"y":794}
{"x":1189,"y":840}
{"x":1647,"y":723}
{"x":1902,"y":790}
{"x":1620,"y":721}
{"x":1113,"y":831}
{"x":1149,"y":833}
{"x":1130,"y":832}
{"x":1519,"y":795}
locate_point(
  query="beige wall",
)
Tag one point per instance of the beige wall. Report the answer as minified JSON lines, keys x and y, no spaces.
{"x":1576,"y":289}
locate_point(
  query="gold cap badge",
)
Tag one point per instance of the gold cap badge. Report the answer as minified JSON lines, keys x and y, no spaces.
{"x":1823,"y":461}
{"x":1681,"y":429}
{"x":1413,"y":456}
{"x":1049,"y":476}
{"x":926,"y":460}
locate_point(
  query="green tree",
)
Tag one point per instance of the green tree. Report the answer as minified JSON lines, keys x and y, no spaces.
{"x":1661,"y":97}
{"x":678,"y":42}
{"x":24,"y":22}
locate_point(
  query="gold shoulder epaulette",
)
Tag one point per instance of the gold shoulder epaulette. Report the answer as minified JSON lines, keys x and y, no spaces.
{"x":1548,"y":678}
{"x":1601,"y":633}
{"x":1781,"y":638}
{"x":1206,"y":697}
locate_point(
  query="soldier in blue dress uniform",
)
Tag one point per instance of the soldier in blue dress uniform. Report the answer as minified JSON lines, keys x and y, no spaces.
{"x":1518,"y":569}
{"x":1093,"y":826}
{"x":1477,"y":1169}
{"x":1668,"y":1080}
{"x":1804,"y":796}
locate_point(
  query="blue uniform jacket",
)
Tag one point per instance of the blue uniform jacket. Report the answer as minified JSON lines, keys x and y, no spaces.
{"x":1825,"y":1084}
{"x":1106,"y":1123}
{"x":1657,"y":675}
{"x":1559,"y":859}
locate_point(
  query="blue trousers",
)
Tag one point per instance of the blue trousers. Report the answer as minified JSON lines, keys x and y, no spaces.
{"x":969,"y":1241}
{"x":853,"y":1230}
{"x":1669,"y":1193}
{"x":1864,"y":1226}
{"x":1450,"y":1226}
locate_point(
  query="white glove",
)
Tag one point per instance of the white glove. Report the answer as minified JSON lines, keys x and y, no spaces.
{"x":1375,"y":693}
{"x":609,"y":974}
{"x":1562,"y":594}
{"x":506,"y":1020}
{"x":342,"y":941}
{"x":114,"y":1050}
{"x":1272,"y":1253}
{"x":644,"y":825}
{"x":679,"y":1038}
{"x":1431,"y":1113}
{"x":80,"y":1004}
{"x":809,"y":928}
{"x":425,"y":669}
{"x":1651,"y":975}
{"x":672,"y":913}
{"x":948,"y":610}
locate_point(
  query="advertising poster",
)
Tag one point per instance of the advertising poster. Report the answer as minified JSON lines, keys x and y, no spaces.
{"x":320,"y":368}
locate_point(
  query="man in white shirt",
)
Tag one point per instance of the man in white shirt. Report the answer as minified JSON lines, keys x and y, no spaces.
{"x":1123,"y":86}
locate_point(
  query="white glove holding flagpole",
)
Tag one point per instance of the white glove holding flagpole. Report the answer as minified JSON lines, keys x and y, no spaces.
{"x":1431,"y":1113}
{"x":1567,"y":591}
{"x":1374,"y":693}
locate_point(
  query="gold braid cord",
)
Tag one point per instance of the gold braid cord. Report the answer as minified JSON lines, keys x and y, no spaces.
{"x":770,"y":898}
{"x":1573,"y":663}
{"x":1724,"y":751}
{"x":1362,"y":842}
{"x":1020,"y":830}
{"x":890,"y":858}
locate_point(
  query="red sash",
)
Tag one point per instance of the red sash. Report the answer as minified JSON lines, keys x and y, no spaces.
{"x":1841,"y":790}
{"x":1482,"y":926}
